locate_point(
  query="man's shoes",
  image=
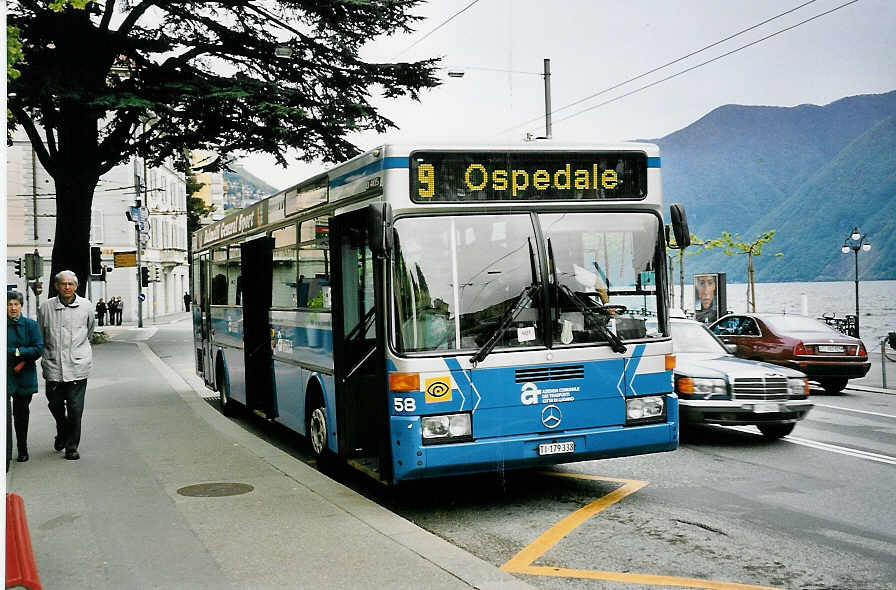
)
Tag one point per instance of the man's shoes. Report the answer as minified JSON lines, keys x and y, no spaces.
{"x":58,"y":443}
{"x":72,"y":455}
{"x":23,"y":456}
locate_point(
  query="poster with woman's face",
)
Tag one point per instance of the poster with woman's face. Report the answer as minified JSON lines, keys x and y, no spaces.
{"x":706,"y":297}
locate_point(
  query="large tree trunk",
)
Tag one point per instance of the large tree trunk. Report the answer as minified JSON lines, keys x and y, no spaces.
{"x":76,"y":179}
{"x":71,"y":245}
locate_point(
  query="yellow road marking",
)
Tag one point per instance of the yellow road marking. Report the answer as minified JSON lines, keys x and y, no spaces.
{"x":521,"y":563}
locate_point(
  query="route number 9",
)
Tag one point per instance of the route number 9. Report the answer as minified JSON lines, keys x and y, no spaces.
{"x":405,"y":404}
{"x":426,"y":175}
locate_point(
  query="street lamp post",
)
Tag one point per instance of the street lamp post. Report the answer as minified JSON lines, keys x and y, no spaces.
{"x":856,"y":241}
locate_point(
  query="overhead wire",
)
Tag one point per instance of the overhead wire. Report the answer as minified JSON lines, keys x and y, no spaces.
{"x":709,"y":61}
{"x":665,"y":65}
{"x":442,"y":24}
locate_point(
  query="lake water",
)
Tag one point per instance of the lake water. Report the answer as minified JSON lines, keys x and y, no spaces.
{"x":877,"y":302}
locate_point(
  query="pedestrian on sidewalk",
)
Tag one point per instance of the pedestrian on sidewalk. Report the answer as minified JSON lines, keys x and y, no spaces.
{"x":24,"y":346}
{"x":67,"y":323}
{"x":101,"y":309}
{"x":113,"y":311}
{"x":187,"y":301}
{"x":119,"y":307}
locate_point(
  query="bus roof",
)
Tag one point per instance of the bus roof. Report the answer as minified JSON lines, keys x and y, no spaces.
{"x":314,"y":190}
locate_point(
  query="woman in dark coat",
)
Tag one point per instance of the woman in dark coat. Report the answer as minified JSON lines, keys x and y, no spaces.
{"x":24,"y":345}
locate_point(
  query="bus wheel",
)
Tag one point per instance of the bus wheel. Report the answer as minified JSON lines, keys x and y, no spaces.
{"x":228,"y":406}
{"x":317,"y":430}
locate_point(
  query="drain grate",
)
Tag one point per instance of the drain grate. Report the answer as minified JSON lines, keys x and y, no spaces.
{"x":215,"y":490}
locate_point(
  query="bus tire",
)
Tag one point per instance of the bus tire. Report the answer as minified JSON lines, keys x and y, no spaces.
{"x":228,"y":406}
{"x":316,"y":427}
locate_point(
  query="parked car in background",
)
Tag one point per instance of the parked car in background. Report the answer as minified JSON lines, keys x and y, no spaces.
{"x":715,"y":387}
{"x":797,"y":342}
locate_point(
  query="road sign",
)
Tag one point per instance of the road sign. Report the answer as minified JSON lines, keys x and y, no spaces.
{"x":142,"y":296}
{"x":123,"y":259}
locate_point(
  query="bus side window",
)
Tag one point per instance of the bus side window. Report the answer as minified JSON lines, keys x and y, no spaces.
{"x":284,"y":285}
{"x":219,"y":277}
{"x":313,"y":288}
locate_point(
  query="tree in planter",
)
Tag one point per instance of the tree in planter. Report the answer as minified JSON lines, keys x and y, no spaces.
{"x":679,"y":255}
{"x":733,"y":245}
{"x":103,"y":81}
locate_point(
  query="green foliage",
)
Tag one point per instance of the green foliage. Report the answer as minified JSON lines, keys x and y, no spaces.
{"x":732,"y":245}
{"x":196,"y":210}
{"x":102,"y":81}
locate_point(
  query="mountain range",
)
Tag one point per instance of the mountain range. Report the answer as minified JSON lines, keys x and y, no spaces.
{"x":812,"y":173}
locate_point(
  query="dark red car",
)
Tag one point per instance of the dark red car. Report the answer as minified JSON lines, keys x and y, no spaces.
{"x":807,"y":345}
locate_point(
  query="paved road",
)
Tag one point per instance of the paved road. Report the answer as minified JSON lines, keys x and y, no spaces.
{"x":814,"y":510}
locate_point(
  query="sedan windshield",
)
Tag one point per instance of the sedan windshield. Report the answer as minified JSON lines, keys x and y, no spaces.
{"x":473,"y":282}
{"x":688,"y":337}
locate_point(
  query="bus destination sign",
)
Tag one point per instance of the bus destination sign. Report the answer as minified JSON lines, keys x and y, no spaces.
{"x":527,"y":176}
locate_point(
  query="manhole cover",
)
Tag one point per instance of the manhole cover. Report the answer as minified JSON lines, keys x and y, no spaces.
{"x":215,"y":490}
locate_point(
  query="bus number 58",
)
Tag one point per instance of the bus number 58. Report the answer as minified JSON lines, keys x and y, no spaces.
{"x":405,"y":404}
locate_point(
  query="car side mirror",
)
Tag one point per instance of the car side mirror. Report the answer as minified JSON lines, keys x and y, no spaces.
{"x":731,"y":348}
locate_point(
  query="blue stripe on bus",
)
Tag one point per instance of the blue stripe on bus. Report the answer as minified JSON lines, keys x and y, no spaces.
{"x":653,"y":162}
{"x":372,"y":168}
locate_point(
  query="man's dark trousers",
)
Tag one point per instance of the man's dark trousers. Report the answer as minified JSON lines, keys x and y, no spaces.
{"x":66,"y":402}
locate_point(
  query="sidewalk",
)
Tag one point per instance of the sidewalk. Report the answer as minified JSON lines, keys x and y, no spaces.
{"x":118,"y":517}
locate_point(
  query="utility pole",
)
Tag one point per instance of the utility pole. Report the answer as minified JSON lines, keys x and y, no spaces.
{"x":547,"y":98}
{"x":137,"y":184}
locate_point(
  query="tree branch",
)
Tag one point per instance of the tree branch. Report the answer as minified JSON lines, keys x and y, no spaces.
{"x":110,"y":149}
{"x":107,"y":15}
{"x":37,"y":143}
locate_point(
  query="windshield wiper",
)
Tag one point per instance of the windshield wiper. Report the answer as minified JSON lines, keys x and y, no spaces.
{"x":509,"y":316}
{"x":601,"y":323}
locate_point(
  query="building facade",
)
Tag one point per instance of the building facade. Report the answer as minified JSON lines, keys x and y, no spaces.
{"x":31,"y":227}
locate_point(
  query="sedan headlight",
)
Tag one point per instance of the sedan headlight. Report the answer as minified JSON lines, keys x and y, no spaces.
{"x":641,"y":410}
{"x":701,"y":387}
{"x":447,"y":428}
{"x":798,"y":386}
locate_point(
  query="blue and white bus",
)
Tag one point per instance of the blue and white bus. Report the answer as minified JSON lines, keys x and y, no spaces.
{"x":423,"y":311}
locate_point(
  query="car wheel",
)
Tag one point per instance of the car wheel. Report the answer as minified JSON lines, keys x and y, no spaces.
{"x":775,"y":431}
{"x":833,"y":386}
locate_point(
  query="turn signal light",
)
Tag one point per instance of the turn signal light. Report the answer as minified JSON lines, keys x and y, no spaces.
{"x":404,"y":381}
{"x":670,"y":362}
{"x":802,"y":349}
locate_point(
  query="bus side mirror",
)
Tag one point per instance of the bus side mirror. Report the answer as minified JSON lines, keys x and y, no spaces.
{"x":379,"y":227}
{"x":680,"y":226}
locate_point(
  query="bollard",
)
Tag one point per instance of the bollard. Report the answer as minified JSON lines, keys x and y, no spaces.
{"x":883,"y":363}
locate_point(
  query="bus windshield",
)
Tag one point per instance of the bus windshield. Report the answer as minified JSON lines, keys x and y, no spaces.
{"x":456,"y":280}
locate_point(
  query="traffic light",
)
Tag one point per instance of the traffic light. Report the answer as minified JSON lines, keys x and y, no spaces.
{"x":157,"y":274}
{"x":144,"y":276}
{"x":18,"y":267}
{"x":96,"y":261}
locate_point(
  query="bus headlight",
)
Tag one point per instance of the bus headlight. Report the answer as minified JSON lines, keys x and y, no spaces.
{"x":643,"y":410}
{"x":447,"y":428}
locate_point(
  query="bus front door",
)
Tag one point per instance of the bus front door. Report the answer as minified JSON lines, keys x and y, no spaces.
{"x":253,"y":290}
{"x":358,"y":336}
{"x":205,"y":322}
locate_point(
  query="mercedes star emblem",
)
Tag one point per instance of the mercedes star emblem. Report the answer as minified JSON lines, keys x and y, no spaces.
{"x":551,"y":416}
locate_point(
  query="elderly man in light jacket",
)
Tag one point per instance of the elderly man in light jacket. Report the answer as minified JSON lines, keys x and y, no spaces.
{"x":67,"y":323}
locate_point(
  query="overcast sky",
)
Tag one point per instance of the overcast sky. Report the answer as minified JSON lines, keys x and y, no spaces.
{"x":595,"y":45}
